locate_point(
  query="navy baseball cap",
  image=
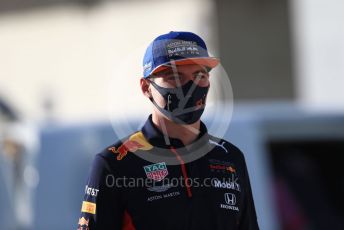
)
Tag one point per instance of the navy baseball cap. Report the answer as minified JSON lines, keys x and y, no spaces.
{"x":179,"y":48}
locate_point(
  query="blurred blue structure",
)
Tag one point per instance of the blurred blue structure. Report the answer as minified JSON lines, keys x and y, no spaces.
{"x":19,"y":144}
{"x":7,"y":216}
{"x":255,"y":126}
{"x":66,"y":155}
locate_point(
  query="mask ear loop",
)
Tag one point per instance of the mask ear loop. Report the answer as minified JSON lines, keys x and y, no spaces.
{"x":167,"y":111}
{"x":169,"y":102}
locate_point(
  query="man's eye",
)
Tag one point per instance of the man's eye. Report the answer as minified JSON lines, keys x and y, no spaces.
{"x":173,"y":78}
{"x":202,"y":74}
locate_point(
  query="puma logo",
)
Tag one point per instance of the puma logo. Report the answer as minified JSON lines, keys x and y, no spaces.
{"x":220,"y":145}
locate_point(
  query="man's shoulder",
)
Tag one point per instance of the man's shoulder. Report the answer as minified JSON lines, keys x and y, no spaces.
{"x":227,"y":146}
{"x":122,"y":149}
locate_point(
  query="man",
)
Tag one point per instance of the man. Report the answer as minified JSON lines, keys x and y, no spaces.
{"x":171,"y":174}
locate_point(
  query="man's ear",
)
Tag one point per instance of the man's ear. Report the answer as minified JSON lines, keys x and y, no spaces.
{"x":144,"y":83}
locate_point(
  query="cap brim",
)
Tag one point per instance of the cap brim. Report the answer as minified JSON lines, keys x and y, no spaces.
{"x":209,"y":62}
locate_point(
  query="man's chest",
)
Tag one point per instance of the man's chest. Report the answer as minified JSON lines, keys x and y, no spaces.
{"x":209,"y":189}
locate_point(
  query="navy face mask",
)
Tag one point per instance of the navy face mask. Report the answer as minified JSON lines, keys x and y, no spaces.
{"x":184,"y":104}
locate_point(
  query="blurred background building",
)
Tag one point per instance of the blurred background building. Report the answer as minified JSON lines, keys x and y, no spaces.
{"x":64,"y":63}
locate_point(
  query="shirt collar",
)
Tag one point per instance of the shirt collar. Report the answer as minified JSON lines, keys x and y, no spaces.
{"x":156,"y":137}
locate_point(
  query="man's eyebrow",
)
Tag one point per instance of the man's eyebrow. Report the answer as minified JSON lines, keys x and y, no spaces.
{"x":171,"y":72}
{"x":166,"y":71}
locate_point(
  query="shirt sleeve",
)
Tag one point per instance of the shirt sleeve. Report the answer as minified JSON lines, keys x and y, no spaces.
{"x":249,"y":218}
{"x":102,"y":207}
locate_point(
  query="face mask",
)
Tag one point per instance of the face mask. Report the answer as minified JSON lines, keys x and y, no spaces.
{"x":184,"y":104}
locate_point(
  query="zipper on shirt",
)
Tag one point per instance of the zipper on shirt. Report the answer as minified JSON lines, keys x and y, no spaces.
{"x":183,"y":168}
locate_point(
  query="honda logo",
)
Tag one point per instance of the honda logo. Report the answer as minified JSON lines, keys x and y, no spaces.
{"x":230,"y":198}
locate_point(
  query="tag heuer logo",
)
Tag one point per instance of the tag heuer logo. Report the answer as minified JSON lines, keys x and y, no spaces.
{"x":156,"y":171}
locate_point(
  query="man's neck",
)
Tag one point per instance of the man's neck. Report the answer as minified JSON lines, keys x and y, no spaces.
{"x":185,"y":133}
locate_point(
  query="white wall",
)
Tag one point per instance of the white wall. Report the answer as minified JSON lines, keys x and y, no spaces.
{"x":319,"y":52}
{"x":71,"y":54}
